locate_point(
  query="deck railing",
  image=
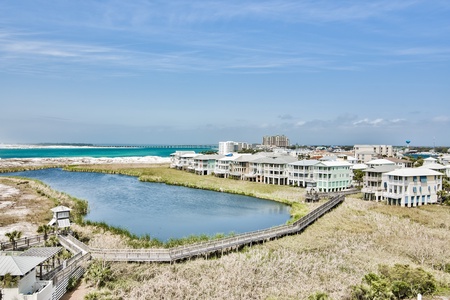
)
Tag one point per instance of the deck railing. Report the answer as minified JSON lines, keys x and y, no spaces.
{"x":25,"y":242}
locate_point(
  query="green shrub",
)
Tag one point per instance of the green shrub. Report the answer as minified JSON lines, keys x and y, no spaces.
{"x":397,"y":282}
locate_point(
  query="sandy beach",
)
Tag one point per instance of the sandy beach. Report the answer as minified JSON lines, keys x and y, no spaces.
{"x":24,"y":162}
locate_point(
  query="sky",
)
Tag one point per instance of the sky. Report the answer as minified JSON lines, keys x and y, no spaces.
{"x":199,"y":72}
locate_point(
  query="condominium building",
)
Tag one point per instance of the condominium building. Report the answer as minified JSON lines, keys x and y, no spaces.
{"x":365,"y":153}
{"x":276,"y":141}
{"x":412,"y":186}
{"x":226,"y":147}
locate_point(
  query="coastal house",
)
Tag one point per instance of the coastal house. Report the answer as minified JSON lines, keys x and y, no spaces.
{"x":380,"y":162}
{"x":373,"y":181}
{"x":205,"y":164}
{"x":182,"y":160}
{"x":240,"y":167}
{"x":401,"y":163}
{"x":301,"y":173}
{"x":275,"y":168}
{"x":21,"y":275}
{"x":333,"y":176}
{"x":411,"y":186}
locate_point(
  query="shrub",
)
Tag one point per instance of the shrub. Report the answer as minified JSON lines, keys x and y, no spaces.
{"x":397,"y":282}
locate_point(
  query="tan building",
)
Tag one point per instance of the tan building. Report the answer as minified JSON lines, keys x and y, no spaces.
{"x":276,"y":141}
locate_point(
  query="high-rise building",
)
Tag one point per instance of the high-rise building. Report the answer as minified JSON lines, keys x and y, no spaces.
{"x":276,"y":141}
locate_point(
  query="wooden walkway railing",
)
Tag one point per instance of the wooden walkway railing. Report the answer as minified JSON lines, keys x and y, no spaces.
{"x":24,"y":242}
{"x":215,"y":246}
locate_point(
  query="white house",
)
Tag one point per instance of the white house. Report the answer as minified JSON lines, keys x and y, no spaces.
{"x":205,"y":164}
{"x":301,"y":173}
{"x":373,"y":182}
{"x":412,"y":186}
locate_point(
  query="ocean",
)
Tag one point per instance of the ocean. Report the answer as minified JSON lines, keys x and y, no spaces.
{"x":47,"y":152}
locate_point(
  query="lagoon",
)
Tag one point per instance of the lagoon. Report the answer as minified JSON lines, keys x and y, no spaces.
{"x":160,"y":210}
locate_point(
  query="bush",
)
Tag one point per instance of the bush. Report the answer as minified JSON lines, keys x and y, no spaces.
{"x":397,"y":282}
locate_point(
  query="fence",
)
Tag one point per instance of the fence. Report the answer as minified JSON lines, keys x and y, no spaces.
{"x":24,"y":242}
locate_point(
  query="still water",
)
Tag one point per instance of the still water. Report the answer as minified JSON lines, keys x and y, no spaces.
{"x":160,"y":210}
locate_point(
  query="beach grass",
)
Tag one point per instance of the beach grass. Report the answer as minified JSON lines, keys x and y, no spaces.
{"x":329,"y":257}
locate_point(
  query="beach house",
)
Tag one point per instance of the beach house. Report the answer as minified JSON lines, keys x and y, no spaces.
{"x":411,"y":186}
{"x":301,"y":173}
{"x":333,"y":176}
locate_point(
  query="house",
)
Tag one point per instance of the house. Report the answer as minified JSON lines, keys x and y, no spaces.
{"x":373,"y":181}
{"x":23,"y":274}
{"x":411,"y":186}
{"x":271,"y":169}
{"x":182,"y":160}
{"x":332,"y":176}
{"x":402,"y":163}
{"x":380,"y":162}
{"x":301,"y":173}
{"x":205,"y":164}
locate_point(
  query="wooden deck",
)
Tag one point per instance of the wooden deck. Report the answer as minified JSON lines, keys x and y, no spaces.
{"x":216,"y":246}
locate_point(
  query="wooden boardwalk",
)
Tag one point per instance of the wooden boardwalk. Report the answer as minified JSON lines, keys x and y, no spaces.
{"x":219,"y":246}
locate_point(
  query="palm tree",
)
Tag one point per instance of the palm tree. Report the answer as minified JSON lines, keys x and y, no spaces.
{"x":45,"y":229}
{"x":13,"y":236}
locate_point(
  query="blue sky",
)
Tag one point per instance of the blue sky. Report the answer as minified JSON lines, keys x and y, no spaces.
{"x":176,"y":72}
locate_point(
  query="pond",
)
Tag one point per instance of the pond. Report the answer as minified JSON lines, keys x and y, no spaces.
{"x":160,"y":210}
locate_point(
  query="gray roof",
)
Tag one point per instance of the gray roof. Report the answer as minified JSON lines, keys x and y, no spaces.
{"x":60,"y":209}
{"x":305,"y":162}
{"x":19,"y":265}
{"x":46,"y":252}
{"x":208,"y":157}
{"x":381,"y":169}
{"x":404,"y":172}
{"x":280,"y":160}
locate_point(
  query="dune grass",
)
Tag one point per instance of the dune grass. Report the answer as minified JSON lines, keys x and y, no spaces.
{"x":328,"y":258}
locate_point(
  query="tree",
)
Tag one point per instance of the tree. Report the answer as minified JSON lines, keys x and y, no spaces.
{"x":13,"y":237}
{"x":358,"y":176}
{"x":45,"y":229}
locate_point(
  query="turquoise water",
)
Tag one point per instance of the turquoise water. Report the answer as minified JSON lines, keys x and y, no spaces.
{"x":160,"y":210}
{"x":92,"y":152}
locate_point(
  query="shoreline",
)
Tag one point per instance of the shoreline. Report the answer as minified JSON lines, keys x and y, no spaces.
{"x":67,"y":161}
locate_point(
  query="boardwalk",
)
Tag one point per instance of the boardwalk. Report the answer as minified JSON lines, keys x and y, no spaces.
{"x":207,"y":248}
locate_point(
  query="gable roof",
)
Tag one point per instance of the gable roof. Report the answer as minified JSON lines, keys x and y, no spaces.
{"x":336,"y":163}
{"x":19,"y":265}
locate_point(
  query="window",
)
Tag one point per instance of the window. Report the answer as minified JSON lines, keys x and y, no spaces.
{"x":423,"y":179}
{"x":415,"y":178}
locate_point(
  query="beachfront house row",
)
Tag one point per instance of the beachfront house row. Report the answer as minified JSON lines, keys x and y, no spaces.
{"x":412,"y":187}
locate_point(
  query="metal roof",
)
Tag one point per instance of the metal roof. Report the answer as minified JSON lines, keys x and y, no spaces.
{"x":305,"y":162}
{"x":60,"y":209}
{"x":19,"y":265}
{"x":46,"y":252}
